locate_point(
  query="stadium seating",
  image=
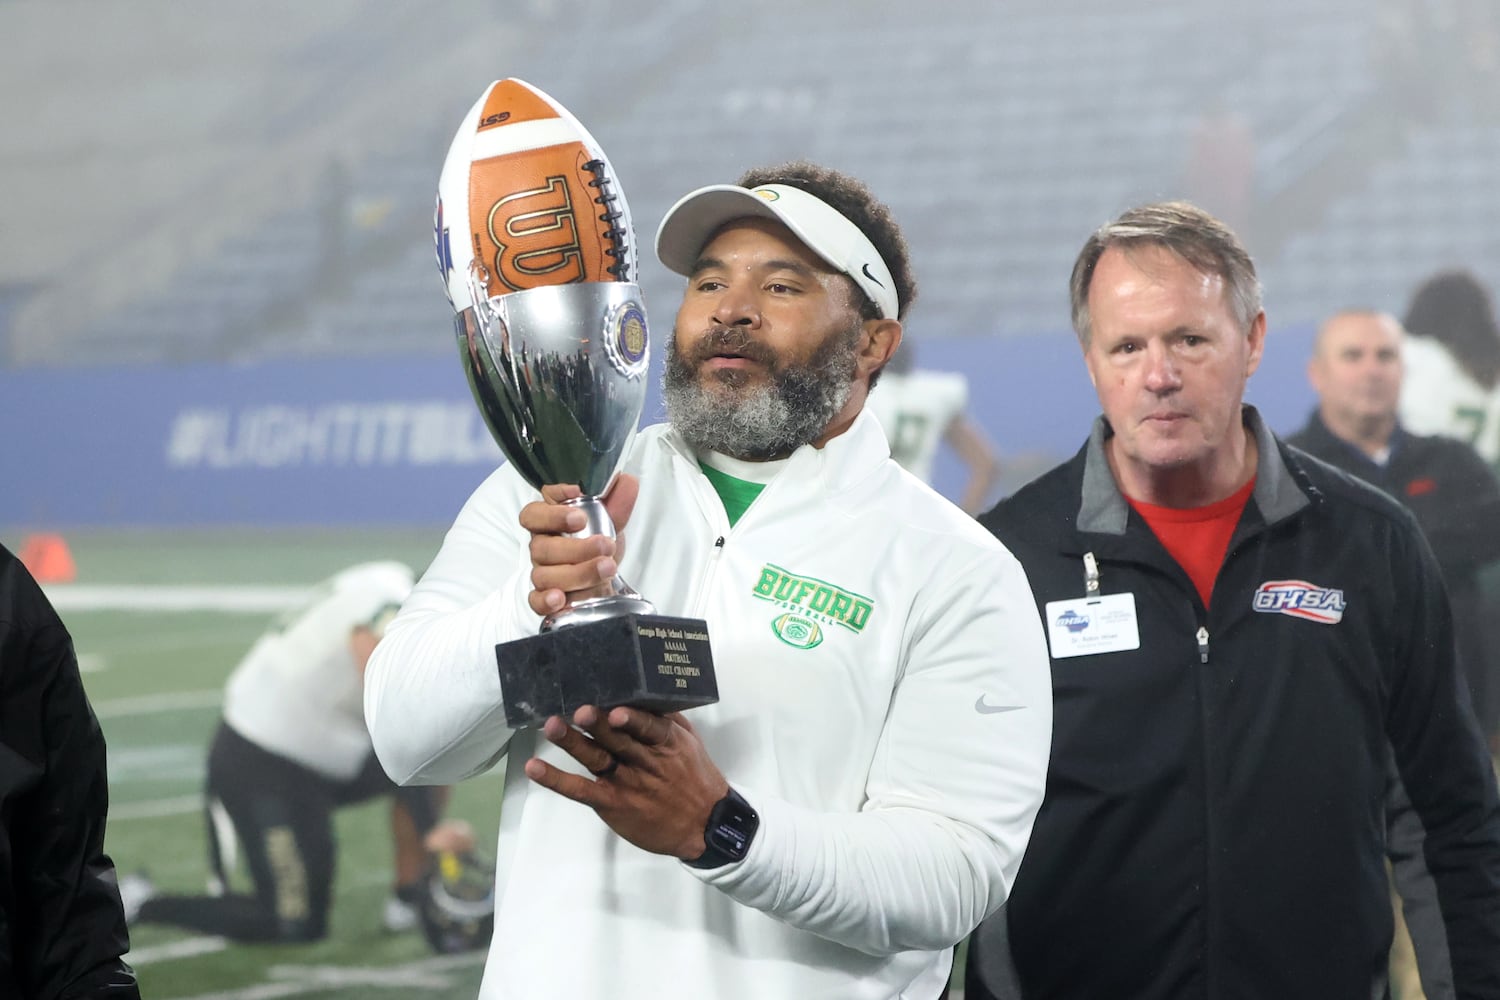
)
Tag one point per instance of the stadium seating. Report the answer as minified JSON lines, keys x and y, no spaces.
{"x":1000,"y":134}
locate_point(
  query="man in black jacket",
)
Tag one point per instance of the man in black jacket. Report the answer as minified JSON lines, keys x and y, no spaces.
{"x":1238,"y":632}
{"x":1356,"y":371}
{"x":62,"y":929}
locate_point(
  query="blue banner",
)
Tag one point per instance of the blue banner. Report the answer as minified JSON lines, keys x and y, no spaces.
{"x":391,"y":441}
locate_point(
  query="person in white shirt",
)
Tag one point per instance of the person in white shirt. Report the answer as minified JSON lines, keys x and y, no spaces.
{"x":1452,"y":363}
{"x":872,"y":776}
{"x":291,"y":749}
{"x":921,"y":409}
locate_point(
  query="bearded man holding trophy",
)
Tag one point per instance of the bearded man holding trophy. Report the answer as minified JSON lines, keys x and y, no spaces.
{"x":843,"y":784}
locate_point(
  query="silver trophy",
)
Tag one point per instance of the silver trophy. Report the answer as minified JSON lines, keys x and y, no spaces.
{"x":559,"y":375}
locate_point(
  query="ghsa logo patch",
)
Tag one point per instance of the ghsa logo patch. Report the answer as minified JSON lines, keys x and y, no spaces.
{"x":1073,"y":621}
{"x":1300,"y":599}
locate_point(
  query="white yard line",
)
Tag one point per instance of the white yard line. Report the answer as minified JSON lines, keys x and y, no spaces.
{"x":157,"y":808}
{"x":247,"y":598}
{"x":189,"y":948}
{"x":149,"y":704}
{"x":300,"y":980}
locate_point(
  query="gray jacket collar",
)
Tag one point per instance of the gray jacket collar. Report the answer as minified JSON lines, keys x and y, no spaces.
{"x":1103,"y":508}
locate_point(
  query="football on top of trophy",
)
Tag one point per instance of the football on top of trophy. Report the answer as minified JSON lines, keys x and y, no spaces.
{"x":527,"y":198}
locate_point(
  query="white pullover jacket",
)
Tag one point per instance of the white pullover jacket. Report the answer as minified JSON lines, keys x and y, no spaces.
{"x":896,"y":755}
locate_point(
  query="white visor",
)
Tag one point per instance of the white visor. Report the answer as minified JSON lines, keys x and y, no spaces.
{"x":692,"y":222}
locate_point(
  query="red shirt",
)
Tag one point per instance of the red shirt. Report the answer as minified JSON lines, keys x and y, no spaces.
{"x":1197,"y":537}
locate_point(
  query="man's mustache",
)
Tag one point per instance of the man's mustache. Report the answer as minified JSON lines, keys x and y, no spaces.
{"x":730,"y":340}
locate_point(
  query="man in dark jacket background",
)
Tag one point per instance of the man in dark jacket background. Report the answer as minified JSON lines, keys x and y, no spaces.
{"x":1356,"y":371}
{"x":1238,"y":634}
{"x":62,"y":928}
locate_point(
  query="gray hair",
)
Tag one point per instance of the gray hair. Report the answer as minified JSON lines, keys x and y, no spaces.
{"x":1184,"y":230}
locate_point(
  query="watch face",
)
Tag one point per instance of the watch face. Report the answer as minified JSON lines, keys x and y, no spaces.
{"x":729,"y":837}
{"x":731,"y":826}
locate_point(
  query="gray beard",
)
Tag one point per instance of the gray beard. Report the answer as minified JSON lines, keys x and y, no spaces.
{"x":768,"y":421}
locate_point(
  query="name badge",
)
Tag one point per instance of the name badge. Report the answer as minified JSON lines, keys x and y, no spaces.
{"x":1088,"y":625}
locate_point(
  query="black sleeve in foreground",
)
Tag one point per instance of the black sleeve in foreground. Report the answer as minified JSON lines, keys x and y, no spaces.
{"x":69,"y":947}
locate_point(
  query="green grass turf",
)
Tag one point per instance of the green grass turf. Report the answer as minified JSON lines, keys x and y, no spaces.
{"x":237,"y":555}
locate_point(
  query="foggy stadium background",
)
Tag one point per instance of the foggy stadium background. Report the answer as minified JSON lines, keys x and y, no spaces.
{"x":218,"y":216}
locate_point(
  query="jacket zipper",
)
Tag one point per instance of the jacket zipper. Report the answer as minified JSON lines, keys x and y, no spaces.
{"x":710,"y":570}
{"x":1210,"y":831}
{"x":1210,"y":835}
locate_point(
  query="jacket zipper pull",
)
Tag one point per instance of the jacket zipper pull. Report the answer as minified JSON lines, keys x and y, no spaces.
{"x":719,"y":542}
{"x":1203,"y":643}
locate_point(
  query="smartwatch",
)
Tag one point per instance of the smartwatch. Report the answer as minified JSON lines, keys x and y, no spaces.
{"x":731,"y":826}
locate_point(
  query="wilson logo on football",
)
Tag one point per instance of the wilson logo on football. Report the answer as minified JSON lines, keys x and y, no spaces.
{"x":535,"y":235}
{"x":1300,"y":599}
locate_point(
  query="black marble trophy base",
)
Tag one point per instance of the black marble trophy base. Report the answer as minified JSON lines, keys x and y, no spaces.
{"x":654,"y":662}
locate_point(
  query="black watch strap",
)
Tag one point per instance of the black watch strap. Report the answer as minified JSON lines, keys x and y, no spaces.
{"x":731,"y":827}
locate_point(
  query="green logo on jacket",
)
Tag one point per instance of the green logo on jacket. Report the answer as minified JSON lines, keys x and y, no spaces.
{"x":794,"y":630}
{"x":810,"y":602}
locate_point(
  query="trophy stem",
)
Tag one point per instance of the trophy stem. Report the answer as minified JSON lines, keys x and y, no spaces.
{"x":624,"y":600}
{"x":599,"y":521}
